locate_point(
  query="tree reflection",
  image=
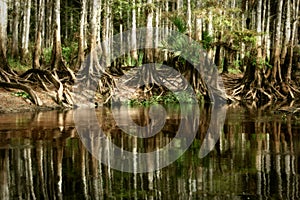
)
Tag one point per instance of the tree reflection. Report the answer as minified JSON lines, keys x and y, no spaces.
{"x":257,"y":156}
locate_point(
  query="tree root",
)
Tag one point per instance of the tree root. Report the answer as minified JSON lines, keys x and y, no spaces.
{"x":33,"y":96}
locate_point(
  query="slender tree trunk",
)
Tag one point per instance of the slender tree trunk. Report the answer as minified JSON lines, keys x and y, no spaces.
{"x":25,"y":32}
{"x":3,"y":35}
{"x":149,"y":34}
{"x":258,"y":71}
{"x":179,"y":4}
{"x":276,"y":70}
{"x":48,"y":24}
{"x":134,"y":54}
{"x":267,"y":39}
{"x":210,"y":32}
{"x":15,"y":33}
{"x":56,"y":60}
{"x":81,"y":33}
{"x":166,"y":27}
{"x":294,"y":37}
{"x":287,"y":31}
{"x":189,"y":19}
{"x":157,"y":34}
{"x":198,"y":24}
{"x":38,"y":37}
{"x":106,"y":33}
{"x":65,"y":10}
{"x":93,"y":25}
{"x":259,"y":32}
{"x":99,"y":19}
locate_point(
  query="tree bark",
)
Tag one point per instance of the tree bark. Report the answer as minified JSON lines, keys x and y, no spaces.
{"x":48,"y":28}
{"x":25,"y":32}
{"x":149,"y":34}
{"x":133,"y":52}
{"x":189,"y":19}
{"x":56,"y":60}
{"x":287,"y":31}
{"x":38,"y":37}
{"x":81,"y":39}
{"x":295,"y":24}
{"x":15,"y":33}
{"x":3,"y":35}
{"x":259,"y":33}
{"x":276,"y":70}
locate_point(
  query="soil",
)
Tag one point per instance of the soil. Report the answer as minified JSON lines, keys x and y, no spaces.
{"x":10,"y":103}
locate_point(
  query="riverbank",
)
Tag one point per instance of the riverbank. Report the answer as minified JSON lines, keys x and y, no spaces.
{"x":13,"y":101}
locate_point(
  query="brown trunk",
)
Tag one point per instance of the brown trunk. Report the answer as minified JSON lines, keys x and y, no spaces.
{"x":56,"y":60}
{"x":15,"y":34}
{"x":3,"y":36}
{"x":38,"y":38}
{"x":276,"y":70}
{"x":25,"y":33}
{"x":81,"y":34}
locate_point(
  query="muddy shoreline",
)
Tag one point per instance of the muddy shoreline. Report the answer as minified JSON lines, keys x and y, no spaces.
{"x":11,"y":103}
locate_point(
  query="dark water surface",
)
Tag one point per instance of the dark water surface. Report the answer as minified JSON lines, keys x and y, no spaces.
{"x":257,"y":157}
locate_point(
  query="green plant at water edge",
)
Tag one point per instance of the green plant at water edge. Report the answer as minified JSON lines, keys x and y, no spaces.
{"x":168,"y":98}
{"x":22,"y":94}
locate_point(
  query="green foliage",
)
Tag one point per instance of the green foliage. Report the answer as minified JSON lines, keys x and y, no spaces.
{"x":47,"y":52}
{"x":264,"y":63}
{"x":168,"y":98}
{"x":69,"y":51}
{"x":129,"y":61}
{"x":180,"y":45}
{"x":16,"y":65}
{"x":149,"y":8}
{"x":140,"y":59}
{"x":22,"y":94}
{"x":234,"y":71}
{"x":206,"y":40}
{"x":179,"y":23}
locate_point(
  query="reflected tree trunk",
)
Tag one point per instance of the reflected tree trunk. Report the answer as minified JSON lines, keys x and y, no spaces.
{"x":4,"y":174}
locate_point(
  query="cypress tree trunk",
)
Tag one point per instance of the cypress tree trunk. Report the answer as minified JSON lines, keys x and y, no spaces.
{"x":149,"y":35}
{"x":15,"y":33}
{"x":294,"y":38}
{"x":25,"y":32}
{"x":56,"y":60}
{"x":3,"y":35}
{"x":133,"y":52}
{"x":81,"y":39}
{"x":276,"y":70}
{"x":38,"y":37}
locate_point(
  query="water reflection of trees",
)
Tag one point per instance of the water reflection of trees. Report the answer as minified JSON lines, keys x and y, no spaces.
{"x":257,"y":156}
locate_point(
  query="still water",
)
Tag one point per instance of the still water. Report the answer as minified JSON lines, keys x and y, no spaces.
{"x":256,"y":156}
